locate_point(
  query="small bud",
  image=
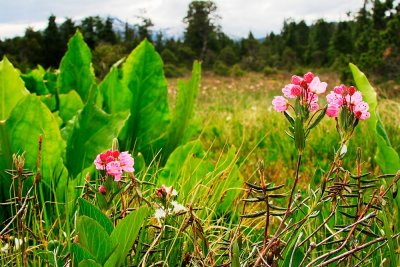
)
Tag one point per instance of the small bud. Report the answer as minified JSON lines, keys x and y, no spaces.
{"x":308,"y":77}
{"x":115,"y":153}
{"x":102,"y":190}
{"x":341,"y":89}
{"x":297,"y":80}
{"x":352,"y":90}
{"x":313,"y":245}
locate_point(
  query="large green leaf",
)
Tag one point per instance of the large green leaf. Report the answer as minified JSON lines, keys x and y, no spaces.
{"x":386,"y":157}
{"x":186,"y":168}
{"x":91,"y":133}
{"x":94,"y":238}
{"x":76,"y":71}
{"x":79,"y":254}
{"x":116,"y":95}
{"x":185,"y":102}
{"x":125,"y":234}
{"x":88,"y":209}
{"x":144,"y":76}
{"x":12,"y":88}
{"x":28,"y":120}
{"x":70,"y":104}
{"x":34,"y":81}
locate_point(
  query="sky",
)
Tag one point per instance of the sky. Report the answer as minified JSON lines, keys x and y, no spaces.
{"x":237,"y":17}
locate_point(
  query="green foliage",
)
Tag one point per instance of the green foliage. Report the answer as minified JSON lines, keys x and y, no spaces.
{"x":269,"y":71}
{"x":172,"y":71}
{"x":386,"y":157}
{"x":236,"y":71}
{"x":144,"y":76}
{"x":12,"y":88}
{"x":220,"y":68}
{"x":183,"y":112}
{"x":76,"y":72}
{"x":99,"y":241}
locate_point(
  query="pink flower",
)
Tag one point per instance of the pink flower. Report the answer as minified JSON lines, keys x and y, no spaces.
{"x":297,"y":80}
{"x":114,"y":169}
{"x":317,"y":87}
{"x":335,"y":98}
{"x":292,"y":90}
{"x":308,"y":77}
{"x":354,"y":99}
{"x":341,"y":89}
{"x":126,"y":161}
{"x":361,"y":111}
{"x":333,"y":110}
{"x":100,"y":164}
{"x":280,"y":103}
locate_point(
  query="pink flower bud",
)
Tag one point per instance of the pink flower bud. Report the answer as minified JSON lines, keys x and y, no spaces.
{"x":341,"y":89}
{"x":102,"y":190}
{"x":308,"y":77}
{"x":352,"y":90}
{"x":297,"y":80}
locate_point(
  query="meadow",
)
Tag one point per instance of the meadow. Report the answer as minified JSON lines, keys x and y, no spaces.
{"x":138,"y":170}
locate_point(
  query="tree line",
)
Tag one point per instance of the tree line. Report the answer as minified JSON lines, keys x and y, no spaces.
{"x":369,"y":38}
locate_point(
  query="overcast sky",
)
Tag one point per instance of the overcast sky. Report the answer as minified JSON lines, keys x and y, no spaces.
{"x":238,"y":17}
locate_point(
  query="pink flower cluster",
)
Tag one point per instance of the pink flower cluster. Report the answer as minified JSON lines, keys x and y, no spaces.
{"x":307,"y":88}
{"x":114,"y":163}
{"x":349,"y":98}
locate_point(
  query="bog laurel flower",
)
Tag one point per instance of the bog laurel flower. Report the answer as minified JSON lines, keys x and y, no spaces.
{"x":347,"y":98}
{"x":306,"y":88}
{"x":114,"y":163}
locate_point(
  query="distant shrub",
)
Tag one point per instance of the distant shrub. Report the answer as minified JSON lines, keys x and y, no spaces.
{"x":169,"y":57}
{"x":228,"y":56}
{"x":269,"y":71}
{"x":173,"y":71}
{"x":237,"y":71}
{"x":220,"y":68}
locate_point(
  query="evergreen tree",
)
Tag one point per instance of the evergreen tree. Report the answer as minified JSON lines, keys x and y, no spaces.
{"x":106,"y":33}
{"x":201,"y":29}
{"x":52,"y":44}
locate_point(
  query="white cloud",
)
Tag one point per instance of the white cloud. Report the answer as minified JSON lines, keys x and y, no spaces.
{"x":238,"y":17}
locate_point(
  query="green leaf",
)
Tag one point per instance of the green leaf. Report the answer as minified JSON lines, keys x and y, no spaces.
{"x":318,"y":119}
{"x":91,"y":133}
{"x":125,"y":234}
{"x":70,"y":104}
{"x":235,"y":254}
{"x":28,"y":120}
{"x":89,"y":263}
{"x":88,"y":209}
{"x":94,"y":238}
{"x":12,"y":88}
{"x":116,"y":94}
{"x":76,"y":71}
{"x":34,"y":81}
{"x":144,"y":76}
{"x":289,"y":118}
{"x":79,"y":254}
{"x":386,"y":157}
{"x":185,"y":102}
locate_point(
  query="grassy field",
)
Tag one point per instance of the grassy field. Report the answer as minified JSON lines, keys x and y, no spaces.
{"x":238,"y":111}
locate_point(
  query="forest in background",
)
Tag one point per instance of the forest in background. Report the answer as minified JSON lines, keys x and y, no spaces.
{"x":369,"y":38}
